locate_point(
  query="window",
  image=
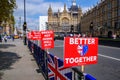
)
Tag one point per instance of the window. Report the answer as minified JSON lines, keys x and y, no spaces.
{"x":65,"y":22}
{"x":103,"y":10}
{"x":118,"y":1}
{"x":109,"y":5}
{"x":109,"y":24}
{"x":109,"y":15}
{"x":118,"y":12}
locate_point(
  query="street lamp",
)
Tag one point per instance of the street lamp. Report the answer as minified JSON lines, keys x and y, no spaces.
{"x":24,"y":25}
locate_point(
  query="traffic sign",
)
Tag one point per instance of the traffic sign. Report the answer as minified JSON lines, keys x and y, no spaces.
{"x":80,"y":51}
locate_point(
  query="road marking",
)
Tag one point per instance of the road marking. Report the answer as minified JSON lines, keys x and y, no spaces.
{"x":109,"y":57}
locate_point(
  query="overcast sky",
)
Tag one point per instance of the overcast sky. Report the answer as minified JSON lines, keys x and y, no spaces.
{"x":36,"y":8}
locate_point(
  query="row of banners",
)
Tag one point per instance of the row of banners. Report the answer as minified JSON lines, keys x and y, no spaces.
{"x":46,"y":38}
{"x":77,"y":50}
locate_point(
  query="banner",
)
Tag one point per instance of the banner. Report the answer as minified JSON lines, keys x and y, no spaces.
{"x":80,"y":51}
{"x":47,"y":39}
{"x":29,"y":36}
{"x":56,"y":69}
{"x":34,"y":35}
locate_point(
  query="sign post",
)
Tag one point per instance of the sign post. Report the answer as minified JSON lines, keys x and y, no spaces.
{"x":47,"y":42}
{"x":82,"y":68}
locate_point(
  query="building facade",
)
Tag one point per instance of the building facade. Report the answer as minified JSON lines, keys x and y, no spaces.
{"x":66,"y":21}
{"x":103,"y":19}
{"x":6,"y":28}
{"x":42,"y":22}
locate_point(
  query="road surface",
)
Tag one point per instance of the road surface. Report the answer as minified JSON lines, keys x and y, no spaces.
{"x":108,"y":66}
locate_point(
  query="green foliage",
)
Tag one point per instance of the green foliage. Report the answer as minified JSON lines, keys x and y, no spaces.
{"x":6,"y":9}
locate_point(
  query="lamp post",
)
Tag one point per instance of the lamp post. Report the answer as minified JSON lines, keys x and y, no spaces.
{"x":24,"y":25}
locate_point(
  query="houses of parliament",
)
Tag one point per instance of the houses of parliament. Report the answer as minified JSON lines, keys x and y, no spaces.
{"x":103,"y":19}
{"x":65,"y":21}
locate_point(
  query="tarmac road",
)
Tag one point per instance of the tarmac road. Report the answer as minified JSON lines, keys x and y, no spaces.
{"x":108,"y":66}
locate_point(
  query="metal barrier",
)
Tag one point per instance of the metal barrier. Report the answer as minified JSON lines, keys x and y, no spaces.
{"x":40,"y":57}
{"x":52,"y":67}
{"x":78,"y":75}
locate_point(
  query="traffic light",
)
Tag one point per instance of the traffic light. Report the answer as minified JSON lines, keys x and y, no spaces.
{"x":91,"y":26}
{"x":72,"y":28}
{"x":24,"y":26}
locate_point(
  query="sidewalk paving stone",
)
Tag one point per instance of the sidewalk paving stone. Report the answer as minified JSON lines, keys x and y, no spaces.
{"x":16,"y":62}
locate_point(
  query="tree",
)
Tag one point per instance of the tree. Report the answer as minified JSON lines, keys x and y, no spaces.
{"x":6,"y":11}
{"x":6,"y":8}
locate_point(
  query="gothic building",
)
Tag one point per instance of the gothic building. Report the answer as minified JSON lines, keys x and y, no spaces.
{"x":66,"y":21}
{"x":103,"y":19}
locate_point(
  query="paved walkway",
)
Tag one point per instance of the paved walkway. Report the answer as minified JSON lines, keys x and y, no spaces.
{"x":16,"y":63}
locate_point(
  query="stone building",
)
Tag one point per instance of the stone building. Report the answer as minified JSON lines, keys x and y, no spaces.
{"x":103,"y":19}
{"x":6,"y":28}
{"x":66,"y":21}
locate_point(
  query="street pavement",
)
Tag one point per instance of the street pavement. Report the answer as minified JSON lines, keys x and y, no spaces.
{"x":16,"y":62}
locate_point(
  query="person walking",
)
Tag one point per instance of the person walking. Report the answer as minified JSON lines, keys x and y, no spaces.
{"x":5,"y":38}
{"x":12,"y":37}
{"x":0,"y":38}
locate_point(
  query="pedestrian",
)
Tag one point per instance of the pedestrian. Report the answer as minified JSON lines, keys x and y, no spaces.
{"x":5,"y":38}
{"x":114,"y":36}
{"x":12,"y":37}
{"x":0,"y":38}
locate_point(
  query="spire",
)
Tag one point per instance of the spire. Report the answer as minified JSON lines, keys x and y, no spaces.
{"x":58,"y":11}
{"x":74,"y":2}
{"x":50,"y":9}
{"x":64,"y":8}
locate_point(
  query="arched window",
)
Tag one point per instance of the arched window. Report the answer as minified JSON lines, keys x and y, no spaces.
{"x":65,"y":21}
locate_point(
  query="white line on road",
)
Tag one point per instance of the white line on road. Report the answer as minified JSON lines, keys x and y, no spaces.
{"x":109,"y":57}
